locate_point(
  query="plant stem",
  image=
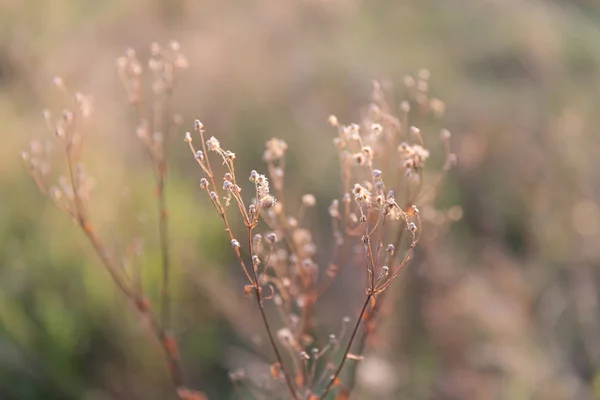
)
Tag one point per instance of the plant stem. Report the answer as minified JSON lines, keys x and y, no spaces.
{"x":164,"y":247}
{"x":354,"y":331}
{"x":258,"y":298}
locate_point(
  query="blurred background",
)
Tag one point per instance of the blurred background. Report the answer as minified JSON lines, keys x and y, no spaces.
{"x":502,"y":305}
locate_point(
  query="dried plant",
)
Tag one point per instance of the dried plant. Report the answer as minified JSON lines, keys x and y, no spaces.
{"x":376,"y":224}
{"x":156,"y":126}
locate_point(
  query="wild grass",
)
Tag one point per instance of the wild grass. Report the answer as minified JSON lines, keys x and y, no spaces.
{"x":376,"y":222}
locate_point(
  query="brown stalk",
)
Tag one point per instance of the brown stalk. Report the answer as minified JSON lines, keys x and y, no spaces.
{"x":258,"y":297}
{"x":166,"y":342}
{"x":334,"y":377}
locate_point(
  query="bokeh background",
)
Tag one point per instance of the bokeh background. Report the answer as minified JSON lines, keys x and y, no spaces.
{"x":503,"y":305}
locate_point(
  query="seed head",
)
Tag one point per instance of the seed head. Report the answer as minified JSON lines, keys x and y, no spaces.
{"x":213,"y":144}
{"x":253,"y":175}
{"x":275,"y":150}
{"x":267,"y":201}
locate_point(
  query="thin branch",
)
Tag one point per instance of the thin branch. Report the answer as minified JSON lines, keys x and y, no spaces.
{"x":258,"y":298}
{"x":345,"y":356}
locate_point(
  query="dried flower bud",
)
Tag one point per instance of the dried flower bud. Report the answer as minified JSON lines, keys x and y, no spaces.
{"x":414,"y":130}
{"x":67,"y":116}
{"x":390,"y":249}
{"x":360,"y":159}
{"x":253,"y":176}
{"x":377,"y":174}
{"x":415,"y":209}
{"x":452,"y":160}
{"x":235,"y":244}
{"x":308,"y":200}
{"x":213,"y":144}
{"x":198,"y":125}
{"x":199,"y":155}
{"x":188,"y":137}
{"x":203,"y":183}
{"x":285,"y":336}
{"x":267,"y":202}
{"x":412,"y":227}
{"x":376,"y":129}
{"x":354,"y":129}
{"x":272,"y":237}
{"x":58,"y":81}
{"x":274,"y":150}
{"x":405,"y":106}
{"x":339,"y":143}
{"x":334,"y":209}
{"x":332,"y":119}
{"x":174,"y":45}
{"x":332,"y":339}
